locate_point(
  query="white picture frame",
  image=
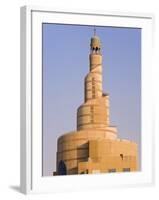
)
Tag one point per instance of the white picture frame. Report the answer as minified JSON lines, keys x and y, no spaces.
{"x":31,"y":92}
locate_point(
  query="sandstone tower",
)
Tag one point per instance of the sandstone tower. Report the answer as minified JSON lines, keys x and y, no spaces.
{"x":94,"y":147}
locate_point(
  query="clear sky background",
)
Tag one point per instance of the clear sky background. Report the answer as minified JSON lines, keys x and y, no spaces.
{"x":65,"y":64}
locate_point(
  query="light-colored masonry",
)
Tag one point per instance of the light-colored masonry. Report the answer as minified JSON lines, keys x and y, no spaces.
{"x":94,"y":147}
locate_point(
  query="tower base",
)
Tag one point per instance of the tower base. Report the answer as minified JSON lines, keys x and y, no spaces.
{"x":95,"y":151}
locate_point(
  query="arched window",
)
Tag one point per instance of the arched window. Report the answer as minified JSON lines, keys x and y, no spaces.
{"x":62,"y":168}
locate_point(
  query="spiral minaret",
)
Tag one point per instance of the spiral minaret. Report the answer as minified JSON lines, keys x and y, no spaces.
{"x":94,"y":147}
{"x":94,"y":113}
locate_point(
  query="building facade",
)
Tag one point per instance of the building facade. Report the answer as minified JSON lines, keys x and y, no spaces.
{"x":94,"y":147}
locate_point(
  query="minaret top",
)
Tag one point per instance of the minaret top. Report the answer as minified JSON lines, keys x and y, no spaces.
{"x":95,"y":42}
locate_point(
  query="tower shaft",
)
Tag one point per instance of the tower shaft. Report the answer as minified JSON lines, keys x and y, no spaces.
{"x":93,"y":81}
{"x":94,"y":113}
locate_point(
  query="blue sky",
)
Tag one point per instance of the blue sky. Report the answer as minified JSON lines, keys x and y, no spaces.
{"x":66,"y":62}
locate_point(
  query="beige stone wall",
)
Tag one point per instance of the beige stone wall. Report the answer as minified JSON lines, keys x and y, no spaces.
{"x":95,"y":150}
{"x":74,"y":147}
{"x":94,"y":114}
{"x":109,"y":164}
